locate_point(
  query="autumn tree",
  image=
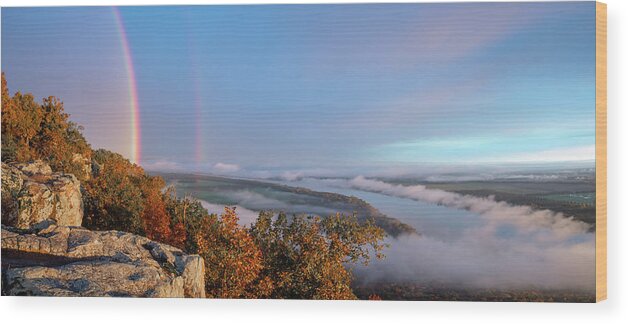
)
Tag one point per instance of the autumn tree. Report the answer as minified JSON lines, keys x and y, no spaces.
{"x":41,"y":131}
{"x":305,"y":257}
{"x":9,"y":146}
{"x":185,"y":216}
{"x":232,"y":260}
{"x":155,"y":219}
{"x":277,"y":257}
{"x":21,"y":118}
{"x":374,"y":297}
{"x":113,"y":198}
{"x":121,"y":196}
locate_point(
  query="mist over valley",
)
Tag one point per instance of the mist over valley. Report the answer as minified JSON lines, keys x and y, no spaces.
{"x":463,"y":242}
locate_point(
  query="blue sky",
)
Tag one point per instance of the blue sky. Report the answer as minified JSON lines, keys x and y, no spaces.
{"x":320,"y":88}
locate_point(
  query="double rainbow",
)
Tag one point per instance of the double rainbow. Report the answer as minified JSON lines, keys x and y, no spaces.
{"x":136,"y":140}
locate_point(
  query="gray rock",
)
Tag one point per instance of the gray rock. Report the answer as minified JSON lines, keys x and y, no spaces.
{"x":93,"y":278}
{"x":189,"y":268}
{"x":160,"y":254}
{"x":49,"y":254}
{"x":37,"y":167}
{"x":72,"y":261}
{"x":11,"y":186}
{"x":32,"y":194}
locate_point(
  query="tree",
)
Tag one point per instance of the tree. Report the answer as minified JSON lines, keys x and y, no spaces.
{"x":58,"y":139}
{"x":41,"y":131}
{"x":305,"y":257}
{"x":232,"y":260}
{"x":21,"y":119}
{"x":278,"y":257}
{"x":113,"y":199}
{"x":185,"y":217}
{"x":9,"y":145}
{"x":155,"y":219}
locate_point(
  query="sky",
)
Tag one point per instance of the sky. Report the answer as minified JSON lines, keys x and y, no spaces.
{"x":319,"y":89}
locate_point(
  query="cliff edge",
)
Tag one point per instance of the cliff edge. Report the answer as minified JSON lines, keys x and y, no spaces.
{"x":45,"y":252}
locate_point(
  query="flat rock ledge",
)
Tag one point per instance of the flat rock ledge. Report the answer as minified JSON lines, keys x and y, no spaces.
{"x":73,"y":261}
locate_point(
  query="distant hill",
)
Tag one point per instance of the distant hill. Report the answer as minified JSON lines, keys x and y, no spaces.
{"x":281,"y":198}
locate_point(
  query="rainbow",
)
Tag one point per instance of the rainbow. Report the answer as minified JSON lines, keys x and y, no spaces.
{"x":136,"y":139}
{"x":199,"y":153}
{"x":198,"y":134}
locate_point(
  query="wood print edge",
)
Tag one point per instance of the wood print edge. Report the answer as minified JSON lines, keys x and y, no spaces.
{"x":600,"y":153}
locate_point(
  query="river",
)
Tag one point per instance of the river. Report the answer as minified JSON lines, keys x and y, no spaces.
{"x":501,"y":247}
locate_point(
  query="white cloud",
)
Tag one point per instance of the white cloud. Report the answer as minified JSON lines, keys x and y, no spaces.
{"x":292,"y":175}
{"x":494,"y":212}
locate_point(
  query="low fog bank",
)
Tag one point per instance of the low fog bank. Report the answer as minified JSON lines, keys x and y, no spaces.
{"x":505,"y":247}
{"x":249,"y":204}
{"x":246,"y":216}
{"x":524,"y":219}
{"x":512,"y":246}
{"x":256,"y":201}
{"x":483,"y":262}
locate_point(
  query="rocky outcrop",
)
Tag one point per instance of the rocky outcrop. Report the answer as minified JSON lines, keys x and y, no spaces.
{"x":33,"y":195}
{"x":73,"y":261}
{"x":45,"y":252}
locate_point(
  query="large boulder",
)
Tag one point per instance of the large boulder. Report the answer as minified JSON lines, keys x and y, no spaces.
{"x":33,"y":195}
{"x":73,"y":261}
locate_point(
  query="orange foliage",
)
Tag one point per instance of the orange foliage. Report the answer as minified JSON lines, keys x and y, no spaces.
{"x":374,"y":297}
{"x":159,"y":225}
{"x":156,"y":220}
{"x":112,"y":198}
{"x":232,"y":260}
{"x":294,"y":257}
{"x":178,"y":236}
{"x":305,"y":257}
{"x":41,"y":131}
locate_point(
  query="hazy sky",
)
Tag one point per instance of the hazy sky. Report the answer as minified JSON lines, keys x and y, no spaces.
{"x":319,"y":87}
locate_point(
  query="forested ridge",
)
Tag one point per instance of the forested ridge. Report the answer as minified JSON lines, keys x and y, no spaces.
{"x":278,"y":256}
